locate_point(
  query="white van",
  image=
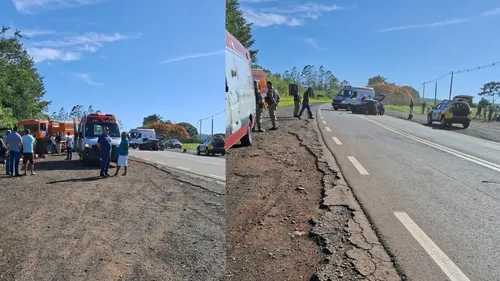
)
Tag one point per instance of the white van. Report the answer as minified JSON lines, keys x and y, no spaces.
{"x":138,"y":136}
{"x":350,"y":96}
{"x":240,"y":93}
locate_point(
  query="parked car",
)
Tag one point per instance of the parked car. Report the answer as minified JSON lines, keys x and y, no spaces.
{"x":173,"y":143}
{"x":367,"y":106}
{"x":449,"y":112}
{"x":150,"y":144}
{"x":212,"y":145}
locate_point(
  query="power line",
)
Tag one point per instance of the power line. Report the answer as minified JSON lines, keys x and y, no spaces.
{"x":210,"y":117}
{"x":463,"y":70}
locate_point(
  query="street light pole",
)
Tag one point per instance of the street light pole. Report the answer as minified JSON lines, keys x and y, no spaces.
{"x":435,"y":93}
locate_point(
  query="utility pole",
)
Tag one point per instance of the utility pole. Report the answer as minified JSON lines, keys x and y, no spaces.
{"x":435,"y":93}
{"x":201,"y":121}
{"x":423,"y":93}
{"x":212,"y":126}
{"x":451,"y":85}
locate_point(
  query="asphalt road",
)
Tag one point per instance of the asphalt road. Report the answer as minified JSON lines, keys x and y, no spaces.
{"x":207,"y":166}
{"x":423,"y":188}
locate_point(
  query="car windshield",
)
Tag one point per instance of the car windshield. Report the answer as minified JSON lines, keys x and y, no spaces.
{"x":32,"y":128}
{"x":94,"y":130}
{"x":344,"y":93}
{"x":133,"y":135}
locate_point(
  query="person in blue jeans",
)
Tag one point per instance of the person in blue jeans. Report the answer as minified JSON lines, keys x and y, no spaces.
{"x":104,"y":145}
{"x":14,"y":142}
{"x":305,"y":103}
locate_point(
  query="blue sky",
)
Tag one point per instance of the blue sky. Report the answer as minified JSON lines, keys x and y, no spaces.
{"x":408,"y":42}
{"x":127,"y":57}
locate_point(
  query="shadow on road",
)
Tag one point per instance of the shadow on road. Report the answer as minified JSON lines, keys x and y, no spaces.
{"x":441,"y":127}
{"x":65,"y":165}
{"x":76,"y":180}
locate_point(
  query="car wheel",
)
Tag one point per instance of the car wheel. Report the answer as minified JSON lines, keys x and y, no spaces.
{"x":443,"y":121}
{"x":381,"y":112}
{"x":223,"y":153}
{"x":207,"y":153}
{"x":466,"y":125}
{"x":349,"y":108}
{"x":247,"y":139}
{"x":335,"y":108}
{"x":198,"y":152}
{"x":429,"y":119}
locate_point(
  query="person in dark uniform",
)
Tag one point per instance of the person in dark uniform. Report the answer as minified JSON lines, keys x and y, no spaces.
{"x":305,"y":103}
{"x":104,"y":145}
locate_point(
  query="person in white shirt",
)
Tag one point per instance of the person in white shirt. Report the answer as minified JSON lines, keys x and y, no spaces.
{"x":28,"y":152}
{"x":53,"y":143}
{"x":69,"y":146}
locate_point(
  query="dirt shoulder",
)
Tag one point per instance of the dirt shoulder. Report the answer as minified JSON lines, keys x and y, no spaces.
{"x":290,"y":215}
{"x":67,"y":224}
{"x":478,"y":128}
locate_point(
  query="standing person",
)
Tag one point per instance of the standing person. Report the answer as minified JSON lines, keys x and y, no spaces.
{"x":14,"y":142}
{"x":490,"y":113}
{"x":496,"y":113}
{"x":272,"y":99}
{"x":259,"y":107}
{"x":423,"y":107}
{"x":484,"y":112}
{"x":69,"y":146}
{"x":28,"y":152}
{"x":411,"y":109}
{"x":58,"y":140}
{"x":122,"y":155}
{"x":478,"y":113}
{"x":104,"y":145}
{"x":305,"y":103}
{"x":53,"y":144}
{"x":296,"y":103}
{"x":7,"y":156}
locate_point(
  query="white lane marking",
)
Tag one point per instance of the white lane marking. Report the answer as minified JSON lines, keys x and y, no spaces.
{"x":324,"y":122}
{"x":182,"y":168}
{"x":444,"y":262}
{"x":217,"y":177}
{"x":328,"y":129}
{"x":358,"y":166}
{"x":161,"y":163}
{"x":321,"y":116}
{"x":462,"y":155}
{"x":336,"y":140}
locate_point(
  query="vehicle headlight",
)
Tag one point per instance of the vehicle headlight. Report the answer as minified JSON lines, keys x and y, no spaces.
{"x":342,"y":101}
{"x":87,"y":145}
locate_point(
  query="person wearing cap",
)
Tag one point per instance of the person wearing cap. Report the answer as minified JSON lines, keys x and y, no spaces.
{"x":28,"y":152}
{"x":7,"y":166}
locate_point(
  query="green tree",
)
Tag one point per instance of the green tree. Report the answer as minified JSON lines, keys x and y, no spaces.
{"x":491,"y":89}
{"x":192,"y":131}
{"x":238,"y":26}
{"x":414,"y":93}
{"x":7,"y":119}
{"x":62,"y":115}
{"x":152,"y":118}
{"x":90,"y":110}
{"x":21,"y":87}
{"x":484,"y":102}
{"x":377,"y":79}
{"x":76,"y":112}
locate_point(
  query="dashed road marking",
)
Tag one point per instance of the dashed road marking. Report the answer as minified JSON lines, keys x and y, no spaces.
{"x":442,"y":260}
{"x":161,"y":163}
{"x":217,"y":177}
{"x":336,"y":140}
{"x":182,"y":168}
{"x":324,"y":122}
{"x":357,"y":165}
{"x":321,"y":116}
{"x":328,"y":129}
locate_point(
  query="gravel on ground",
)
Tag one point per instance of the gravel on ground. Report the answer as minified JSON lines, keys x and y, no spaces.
{"x":66,"y":223}
{"x":287,"y":216}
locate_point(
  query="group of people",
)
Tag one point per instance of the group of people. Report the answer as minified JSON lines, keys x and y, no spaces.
{"x":13,"y":147}
{"x":272,"y":98}
{"x":490,"y":110}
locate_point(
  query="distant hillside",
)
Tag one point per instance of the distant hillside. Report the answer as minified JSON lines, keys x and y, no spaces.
{"x":396,"y":95}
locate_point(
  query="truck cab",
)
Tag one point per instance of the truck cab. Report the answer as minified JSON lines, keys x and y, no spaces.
{"x":89,"y":129}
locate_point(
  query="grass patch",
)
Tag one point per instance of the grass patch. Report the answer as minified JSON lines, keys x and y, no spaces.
{"x":416,"y":109}
{"x":190,"y":146}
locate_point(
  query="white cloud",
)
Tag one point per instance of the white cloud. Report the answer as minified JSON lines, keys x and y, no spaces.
{"x":37,"y":32}
{"x":425,"y":25}
{"x":311,"y":42}
{"x":493,"y":12}
{"x":194,"y":56}
{"x":33,"y":6}
{"x":289,"y":15}
{"x":72,"y":47}
{"x":263,"y":19}
{"x":47,"y":54}
{"x":87,"y":78}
